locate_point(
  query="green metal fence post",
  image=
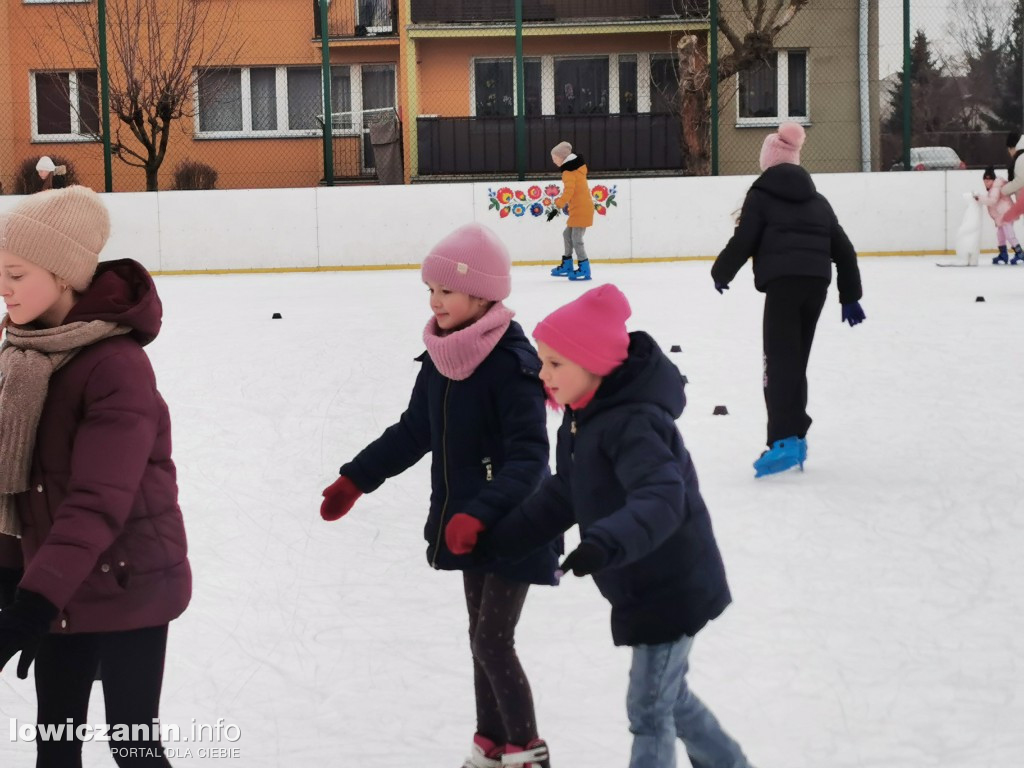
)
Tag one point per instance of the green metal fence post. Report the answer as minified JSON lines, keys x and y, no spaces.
{"x":906,"y":85}
{"x":520,"y":95}
{"x":101,"y":22}
{"x":713,"y":66}
{"x":325,"y":74}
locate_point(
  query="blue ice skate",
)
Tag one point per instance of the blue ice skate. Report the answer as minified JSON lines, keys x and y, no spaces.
{"x":1018,"y":255}
{"x":1003,"y":256}
{"x":784,"y":454}
{"x":564,"y":269}
{"x":582,"y":272}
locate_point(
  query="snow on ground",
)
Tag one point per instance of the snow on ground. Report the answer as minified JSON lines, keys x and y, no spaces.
{"x":877,"y":618}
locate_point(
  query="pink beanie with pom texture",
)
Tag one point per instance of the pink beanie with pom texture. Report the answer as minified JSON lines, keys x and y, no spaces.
{"x":590,"y":331}
{"x":783,"y":147}
{"x":471,"y":260}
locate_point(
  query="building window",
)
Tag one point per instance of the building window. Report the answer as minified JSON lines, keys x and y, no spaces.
{"x":375,"y":16}
{"x":618,"y":83}
{"x":288,"y":101}
{"x":494,"y":87}
{"x":627,"y":85}
{"x":220,"y":100}
{"x":65,"y":106}
{"x":378,"y":96}
{"x":305,"y":98}
{"x":581,"y":86}
{"x":263,"y":96}
{"x":495,"y":94}
{"x":774,"y":90}
{"x":664,"y":85}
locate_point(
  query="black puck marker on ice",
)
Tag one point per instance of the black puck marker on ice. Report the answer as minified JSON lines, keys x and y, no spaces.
{"x":720,"y":410}
{"x":980,"y":298}
{"x":676,"y":348}
{"x":276,"y":316}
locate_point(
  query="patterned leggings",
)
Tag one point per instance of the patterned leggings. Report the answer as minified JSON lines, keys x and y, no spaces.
{"x":504,"y":702}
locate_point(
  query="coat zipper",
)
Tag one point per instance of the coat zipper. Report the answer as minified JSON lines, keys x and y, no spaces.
{"x":488,"y":468}
{"x":572,"y":431}
{"x":444,"y":460}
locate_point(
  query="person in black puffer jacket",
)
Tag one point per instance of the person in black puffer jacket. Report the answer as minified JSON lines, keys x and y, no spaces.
{"x":625,"y":477}
{"x":793,"y":235}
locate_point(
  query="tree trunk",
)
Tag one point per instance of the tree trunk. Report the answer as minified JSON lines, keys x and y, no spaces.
{"x":694,"y":104}
{"x":152,"y":171}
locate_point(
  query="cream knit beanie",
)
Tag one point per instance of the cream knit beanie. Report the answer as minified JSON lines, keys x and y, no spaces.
{"x":60,"y":230}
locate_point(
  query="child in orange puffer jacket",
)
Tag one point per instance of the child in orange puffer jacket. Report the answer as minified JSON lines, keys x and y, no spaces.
{"x":575,"y":194}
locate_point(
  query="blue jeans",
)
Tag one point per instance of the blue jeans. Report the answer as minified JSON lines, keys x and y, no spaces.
{"x":661,"y":707}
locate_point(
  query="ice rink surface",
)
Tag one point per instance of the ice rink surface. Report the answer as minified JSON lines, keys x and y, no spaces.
{"x":878,"y":614}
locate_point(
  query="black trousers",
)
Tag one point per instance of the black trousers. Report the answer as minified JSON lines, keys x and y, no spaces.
{"x":504,"y":701}
{"x":792,"y":306}
{"x":133,"y":670}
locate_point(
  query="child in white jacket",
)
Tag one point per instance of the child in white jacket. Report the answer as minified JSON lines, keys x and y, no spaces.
{"x":998,"y":204}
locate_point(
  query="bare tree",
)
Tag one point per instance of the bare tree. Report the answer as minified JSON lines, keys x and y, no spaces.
{"x":157,"y":50}
{"x":981,"y":31}
{"x":972,"y":23}
{"x":751,"y":44}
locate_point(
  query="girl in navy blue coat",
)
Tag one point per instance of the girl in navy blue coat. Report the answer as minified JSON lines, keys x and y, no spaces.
{"x":478,"y":407}
{"x":625,"y":477}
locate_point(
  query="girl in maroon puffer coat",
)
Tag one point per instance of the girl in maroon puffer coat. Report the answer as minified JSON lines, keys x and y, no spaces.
{"x":86,"y":477}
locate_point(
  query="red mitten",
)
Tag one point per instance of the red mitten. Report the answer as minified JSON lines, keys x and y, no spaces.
{"x":462,"y":532}
{"x":339,"y":497}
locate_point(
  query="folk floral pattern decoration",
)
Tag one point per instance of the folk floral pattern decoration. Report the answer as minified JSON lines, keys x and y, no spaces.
{"x":537,"y":201}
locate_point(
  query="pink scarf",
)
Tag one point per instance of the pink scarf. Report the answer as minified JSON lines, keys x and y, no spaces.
{"x":457,"y":354}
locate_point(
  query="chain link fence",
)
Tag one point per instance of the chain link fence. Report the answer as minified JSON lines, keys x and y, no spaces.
{"x":231,"y":95}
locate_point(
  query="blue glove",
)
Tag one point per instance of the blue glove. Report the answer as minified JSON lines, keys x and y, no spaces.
{"x":721,"y":287}
{"x":853,"y":314}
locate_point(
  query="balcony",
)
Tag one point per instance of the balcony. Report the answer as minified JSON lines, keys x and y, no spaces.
{"x":486,"y":146}
{"x":358,"y":18}
{"x":503,"y":11}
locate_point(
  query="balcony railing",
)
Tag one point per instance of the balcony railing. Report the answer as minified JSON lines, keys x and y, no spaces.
{"x":358,"y":18}
{"x":483,"y":146}
{"x":503,"y":11}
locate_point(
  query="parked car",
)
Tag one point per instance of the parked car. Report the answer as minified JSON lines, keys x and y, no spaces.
{"x":932,"y":159}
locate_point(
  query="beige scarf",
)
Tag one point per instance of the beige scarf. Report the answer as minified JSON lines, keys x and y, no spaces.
{"x":28,"y":358}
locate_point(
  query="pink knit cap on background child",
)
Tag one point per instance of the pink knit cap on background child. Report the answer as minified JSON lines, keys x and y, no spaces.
{"x":784,"y":146}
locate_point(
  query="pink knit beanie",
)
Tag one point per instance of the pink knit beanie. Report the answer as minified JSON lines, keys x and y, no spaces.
{"x":783,"y":147}
{"x":471,"y":260}
{"x":590,"y":331}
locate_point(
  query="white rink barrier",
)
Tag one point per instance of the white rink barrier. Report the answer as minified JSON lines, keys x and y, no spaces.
{"x":394,"y":226}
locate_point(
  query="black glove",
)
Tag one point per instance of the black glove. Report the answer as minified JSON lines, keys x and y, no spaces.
{"x":22,"y":625}
{"x":552,"y":213}
{"x":587,"y":558}
{"x":9,"y":580}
